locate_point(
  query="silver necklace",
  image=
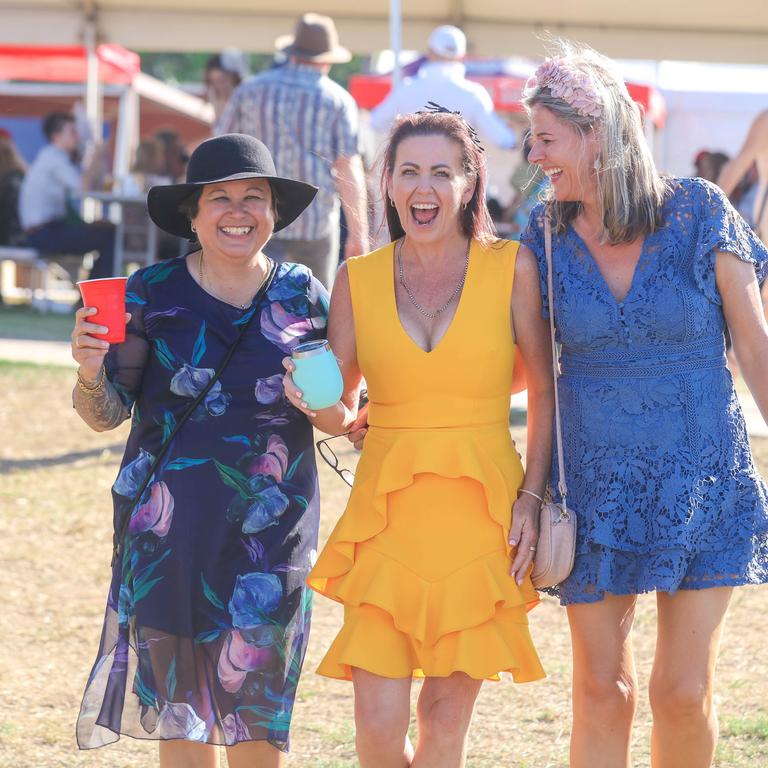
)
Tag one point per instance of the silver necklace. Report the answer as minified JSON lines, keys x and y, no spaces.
{"x":216,"y":296}
{"x":456,"y":290}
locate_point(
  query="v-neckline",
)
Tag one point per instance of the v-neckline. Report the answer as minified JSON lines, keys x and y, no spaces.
{"x":393,"y":298}
{"x":601,"y":277}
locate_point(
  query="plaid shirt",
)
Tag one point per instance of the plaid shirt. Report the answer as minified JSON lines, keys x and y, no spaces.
{"x":307,"y":121}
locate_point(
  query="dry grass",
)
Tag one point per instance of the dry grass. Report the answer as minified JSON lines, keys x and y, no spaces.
{"x":54,"y":555}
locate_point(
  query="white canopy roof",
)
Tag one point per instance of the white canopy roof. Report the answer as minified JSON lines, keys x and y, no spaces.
{"x":733,"y":31}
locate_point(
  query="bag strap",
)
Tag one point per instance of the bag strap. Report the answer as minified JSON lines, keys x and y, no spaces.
{"x":561,"y":486}
{"x":121,"y":530}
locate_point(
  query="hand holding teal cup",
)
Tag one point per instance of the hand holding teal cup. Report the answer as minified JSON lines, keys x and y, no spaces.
{"x":317,"y":374}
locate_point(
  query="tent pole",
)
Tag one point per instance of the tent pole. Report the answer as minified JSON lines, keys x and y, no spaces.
{"x":395,"y":38}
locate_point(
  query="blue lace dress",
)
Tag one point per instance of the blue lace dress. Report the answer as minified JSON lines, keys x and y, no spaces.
{"x":657,"y":458}
{"x":208,"y":612}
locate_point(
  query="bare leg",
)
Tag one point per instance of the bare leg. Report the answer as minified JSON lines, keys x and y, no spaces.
{"x":684,"y":719}
{"x":604,"y":684}
{"x":444,"y":713}
{"x":178,"y":753}
{"x":382,"y":714}
{"x":255,"y":754}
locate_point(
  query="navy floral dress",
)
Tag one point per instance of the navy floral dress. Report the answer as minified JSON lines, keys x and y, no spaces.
{"x":657,"y":458}
{"x":208,"y":614}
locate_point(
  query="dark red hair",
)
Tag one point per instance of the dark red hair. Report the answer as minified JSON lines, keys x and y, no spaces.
{"x":475,"y":219}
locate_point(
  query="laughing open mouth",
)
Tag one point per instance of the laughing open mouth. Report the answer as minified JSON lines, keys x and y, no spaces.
{"x":424,"y":213}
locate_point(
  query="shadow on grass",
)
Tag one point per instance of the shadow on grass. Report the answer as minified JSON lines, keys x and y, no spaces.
{"x":41,"y":462}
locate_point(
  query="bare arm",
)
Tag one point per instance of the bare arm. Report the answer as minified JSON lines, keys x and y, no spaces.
{"x":754,"y":145}
{"x":745,"y":317}
{"x":532,"y":336}
{"x":341,"y":334}
{"x":96,"y":401}
{"x":350,"y":183}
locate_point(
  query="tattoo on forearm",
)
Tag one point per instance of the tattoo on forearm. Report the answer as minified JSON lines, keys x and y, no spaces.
{"x":102,"y":410}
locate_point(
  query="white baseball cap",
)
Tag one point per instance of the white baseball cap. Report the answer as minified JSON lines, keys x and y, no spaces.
{"x":449,"y":42}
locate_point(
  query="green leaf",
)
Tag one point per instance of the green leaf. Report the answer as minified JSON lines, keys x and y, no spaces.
{"x":170,"y":679}
{"x":164,"y":354}
{"x":294,"y":466}
{"x":199,"y":350}
{"x":233,"y":478}
{"x":208,"y":637}
{"x":158,"y":272}
{"x":301,"y":501}
{"x":145,"y":589}
{"x":210,"y":594}
{"x":185,"y":463}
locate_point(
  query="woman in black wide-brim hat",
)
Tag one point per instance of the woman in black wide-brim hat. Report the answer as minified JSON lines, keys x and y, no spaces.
{"x":216,"y":502}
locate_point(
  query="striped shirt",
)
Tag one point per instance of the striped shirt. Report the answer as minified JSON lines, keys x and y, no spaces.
{"x":307,"y":121}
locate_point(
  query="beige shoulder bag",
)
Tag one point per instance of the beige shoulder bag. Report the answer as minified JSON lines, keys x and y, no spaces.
{"x":557,"y":524}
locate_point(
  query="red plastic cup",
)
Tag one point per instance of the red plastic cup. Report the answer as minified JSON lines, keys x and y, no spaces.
{"x":107,"y":294}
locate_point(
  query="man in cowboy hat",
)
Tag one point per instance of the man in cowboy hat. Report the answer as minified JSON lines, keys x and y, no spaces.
{"x":310,"y":125}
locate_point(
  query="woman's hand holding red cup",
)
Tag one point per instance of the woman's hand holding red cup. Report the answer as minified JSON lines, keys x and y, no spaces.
{"x":88,"y":351}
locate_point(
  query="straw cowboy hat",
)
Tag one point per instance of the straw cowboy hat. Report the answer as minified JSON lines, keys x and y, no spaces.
{"x":315,"y":39}
{"x":229,"y":157}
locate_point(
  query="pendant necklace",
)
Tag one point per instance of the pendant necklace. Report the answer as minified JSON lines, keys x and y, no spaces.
{"x":241,"y":307}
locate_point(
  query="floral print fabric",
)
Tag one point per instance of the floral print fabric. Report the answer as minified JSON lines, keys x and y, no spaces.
{"x":657,"y":457}
{"x":208,"y":614}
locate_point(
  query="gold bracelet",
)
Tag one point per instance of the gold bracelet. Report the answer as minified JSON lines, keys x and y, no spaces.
{"x":530,"y":493}
{"x":92,"y":389}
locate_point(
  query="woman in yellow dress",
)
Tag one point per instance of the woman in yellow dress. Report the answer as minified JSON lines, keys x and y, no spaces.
{"x":432,"y":555}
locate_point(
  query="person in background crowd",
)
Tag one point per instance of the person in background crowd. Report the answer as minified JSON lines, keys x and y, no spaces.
{"x":708,"y":164}
{"x":174,"y":157}
{"x":146,"y":169}
{"x":528,"y":181}
{"x":223,"y":73}
{"x":646,"y":271}
{"x":442,"y":79}
{"x":46,"y":211}
{"x":12,"y":170}
{"x":310,"y":125}
{"x":754,"y":150}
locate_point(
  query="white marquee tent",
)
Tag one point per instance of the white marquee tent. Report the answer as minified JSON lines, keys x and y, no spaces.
{"x":697,"y":30}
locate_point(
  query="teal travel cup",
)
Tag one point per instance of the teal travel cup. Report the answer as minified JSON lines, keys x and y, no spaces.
{"x":317,"y":374}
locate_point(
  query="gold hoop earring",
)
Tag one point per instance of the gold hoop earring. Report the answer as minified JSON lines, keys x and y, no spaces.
{"x":464,"y":206}
{"x":192,"y":227}
{"x":391,"y":202}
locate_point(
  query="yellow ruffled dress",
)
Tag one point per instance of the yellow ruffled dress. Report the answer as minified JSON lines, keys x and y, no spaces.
{"x":420,"y":558}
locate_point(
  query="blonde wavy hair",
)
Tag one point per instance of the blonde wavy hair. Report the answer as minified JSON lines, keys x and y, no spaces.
{"x":630,"y":191}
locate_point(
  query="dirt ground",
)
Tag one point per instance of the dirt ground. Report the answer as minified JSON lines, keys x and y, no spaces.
{"x":55,"y":543}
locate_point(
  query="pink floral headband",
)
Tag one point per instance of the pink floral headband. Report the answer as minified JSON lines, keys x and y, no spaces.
{"x":568,"y":83}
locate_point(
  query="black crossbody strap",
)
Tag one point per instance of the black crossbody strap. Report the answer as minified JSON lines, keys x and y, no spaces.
{"x":122,"y":528}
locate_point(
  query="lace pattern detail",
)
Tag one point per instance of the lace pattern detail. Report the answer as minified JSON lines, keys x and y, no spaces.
{"x":657,"y":456}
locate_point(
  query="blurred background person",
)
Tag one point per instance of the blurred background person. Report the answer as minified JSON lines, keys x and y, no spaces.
{"x":441,"y":79}
{"x":754,"y":150}
{"x":223,"y":73}
{"x":47,"y":212}
{"x":709,"y":164}
{"x":174,"y":157}
{"x":282,"y":106}
{"x":146,"y":170}
{"x":12,"y":170}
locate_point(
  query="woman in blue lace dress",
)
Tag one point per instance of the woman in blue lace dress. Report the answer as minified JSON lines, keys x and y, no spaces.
{"x":648,"y":271}
{"x":207,"y":617}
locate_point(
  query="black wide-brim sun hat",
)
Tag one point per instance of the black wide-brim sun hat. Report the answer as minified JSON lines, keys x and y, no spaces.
{"x":230,"y":157}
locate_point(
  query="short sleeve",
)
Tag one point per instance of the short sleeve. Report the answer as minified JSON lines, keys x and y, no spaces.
{"x":125,"y":362}
{"x":533,"y":239}
{"x":346,"y":129}
{"x":319,"y":301}
{"x":721,"y":228}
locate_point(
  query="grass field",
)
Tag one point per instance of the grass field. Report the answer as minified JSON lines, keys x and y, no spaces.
{"x":55,"y":545}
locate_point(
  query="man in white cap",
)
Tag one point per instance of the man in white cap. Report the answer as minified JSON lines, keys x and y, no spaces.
{"x":442,"y":80}
{"x":310,"y":125}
